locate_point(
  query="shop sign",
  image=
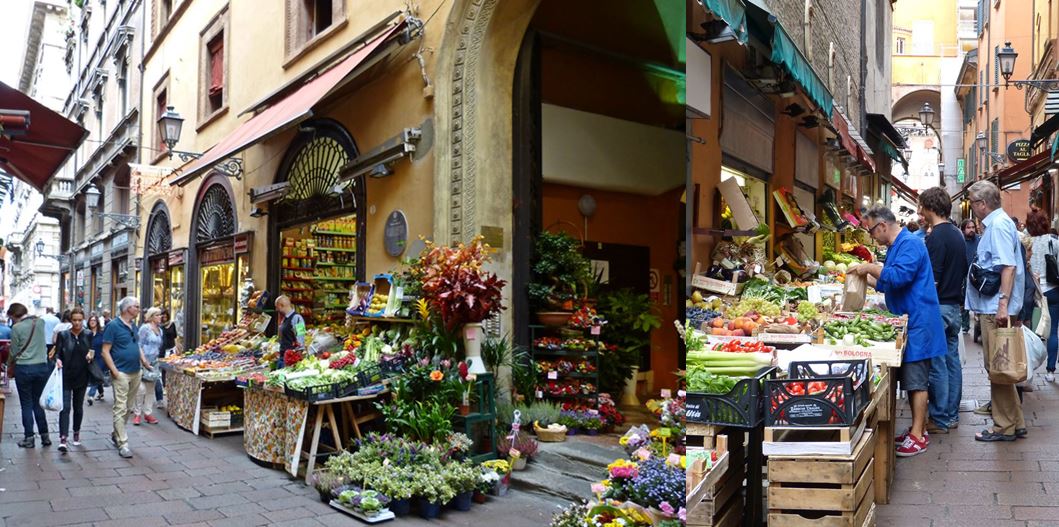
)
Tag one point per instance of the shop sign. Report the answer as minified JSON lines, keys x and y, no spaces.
{"x":147,"y":180}
{"x":395,"y":235}
{"x":176,"y":257}
{"x":700,"y":73}
{"x":97,"y":250}
{"x":494,"y":236}
{"x":655,"y":280}
{"x":80,"y":277}
{"x":1019,"y":150}
{"x":242,"y":242}
{"x":224,"y":253}
{"x":961,"y":170}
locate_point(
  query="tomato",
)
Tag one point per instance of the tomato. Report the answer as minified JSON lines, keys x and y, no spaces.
{"x":325,"y":355}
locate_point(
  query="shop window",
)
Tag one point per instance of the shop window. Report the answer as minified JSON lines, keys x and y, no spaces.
{"x":899,"y":46}
{"x":307,"y":19}
{"x":831,"y":66}
{"x":213,"y":85}
{"x":219,"y":277}
{"x":755,"y":190}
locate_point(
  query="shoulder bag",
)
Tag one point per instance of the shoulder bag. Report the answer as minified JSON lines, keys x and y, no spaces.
{"x":11,"y":361}
{"x":1051,"y":266}
{"x":984,"y":280}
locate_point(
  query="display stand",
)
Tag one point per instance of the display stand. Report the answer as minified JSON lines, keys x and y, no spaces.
{"x":187,"y":395}
{"x":484,"y":447}
{"x":274,"y":427}
{"x":885,"y":457}
{"x":590,"y":399}
{"x":326,"y":410}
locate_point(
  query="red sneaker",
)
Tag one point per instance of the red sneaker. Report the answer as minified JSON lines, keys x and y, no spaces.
{"x":900,"y":438}
{"x":136,"y":420}
{"x":150,"y":419}
{"x":912,"y":446}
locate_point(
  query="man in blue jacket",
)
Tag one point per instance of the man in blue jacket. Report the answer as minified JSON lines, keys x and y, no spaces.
{"x":907,"y":279}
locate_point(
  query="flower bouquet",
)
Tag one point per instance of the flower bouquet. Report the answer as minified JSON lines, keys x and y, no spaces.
{"x":502,"y":469}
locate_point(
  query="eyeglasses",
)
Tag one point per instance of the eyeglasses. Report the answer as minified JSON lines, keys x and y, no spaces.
{"x":871,"y":231}
{"x":973,"y":201}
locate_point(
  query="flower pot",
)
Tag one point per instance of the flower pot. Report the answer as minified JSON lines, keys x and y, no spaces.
{"x":428,"y":510}
{"x":554,"y":319}
{"x":401,"y":507}
{"x":571,"y":432}
{"x":465,"y":409}
{"x":500,"y":487}
{"x":519,"y":464}
{"x":628,"y":395}
{"x":478,"y":497}
{"x":472,"y":347}
{"x":592,"y":432}
{"x":463,"y":501}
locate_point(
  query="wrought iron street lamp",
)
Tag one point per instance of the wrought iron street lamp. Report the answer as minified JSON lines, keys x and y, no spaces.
{"x":980,"y":140}
{"x":170,"y":124}
{"x":131,"y":221}
{"x":926,"y":115}
{"x":1006,"y":62}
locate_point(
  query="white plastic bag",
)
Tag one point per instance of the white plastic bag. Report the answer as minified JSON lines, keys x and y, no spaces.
{"x":1035,"y":355}
{"x":52,"y":398}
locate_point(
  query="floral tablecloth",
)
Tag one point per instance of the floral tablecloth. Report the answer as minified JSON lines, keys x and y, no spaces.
{"x":274,"y":426}
{"x":183,"y":395}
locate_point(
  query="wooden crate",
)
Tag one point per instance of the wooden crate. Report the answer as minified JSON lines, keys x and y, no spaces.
{"x":864,"y":516}
{"x":823,"y":483}
{"x":717,"y":501}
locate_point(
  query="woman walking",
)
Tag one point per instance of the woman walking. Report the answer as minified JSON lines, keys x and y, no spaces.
{"x":96,"y":331}
{"x":29,"y":354}
{"x":1043,"y":244}
{"x":74,"y":350}
{"x":150,"y":338}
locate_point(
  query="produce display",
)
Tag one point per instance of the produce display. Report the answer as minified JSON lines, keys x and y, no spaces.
{"x":859,"y":331}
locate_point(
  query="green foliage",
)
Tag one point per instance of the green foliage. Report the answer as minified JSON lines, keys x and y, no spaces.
{"x":429,"y":422}
{"x":542,"y":411}
{"x":560,"y":271}
{"x":523,"y":372}
{"x":630,"y":319}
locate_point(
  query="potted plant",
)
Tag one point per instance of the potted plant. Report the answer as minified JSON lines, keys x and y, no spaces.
{"x":397,"y":484}
{"x":630,"y":319}
{"x":487,"y":481}
{"x":592,"y":424}
{"x":325,"y":482}
{"x":503,"y":471}
{"x":463,"y":478}
{"x":433,"y":492}
{"x":369,"y":503}
{"x":520,"y":451}
{"x":456,"y":285}
{"x":571,"y":421}
{"x":560,"y":275}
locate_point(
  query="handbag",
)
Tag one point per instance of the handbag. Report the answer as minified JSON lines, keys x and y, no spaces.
{"x":1051,"y":266}
{"x":11,"y":361}
{"x":1006,"y":358}
{"x":152,"y":375}
{"x":985,"y":281}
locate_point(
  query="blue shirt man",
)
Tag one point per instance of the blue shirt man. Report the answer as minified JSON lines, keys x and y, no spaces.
{"x":125,"y":348}
{"x":998,"y":246}
{"x":50,"y":321}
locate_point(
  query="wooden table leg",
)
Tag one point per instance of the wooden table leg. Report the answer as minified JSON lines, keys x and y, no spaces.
{"x":353,"y":419}
{"x":334,"y":426}
{"x":314,"y":446}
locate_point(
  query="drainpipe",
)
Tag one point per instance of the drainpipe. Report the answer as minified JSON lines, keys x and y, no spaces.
{"x":144,"y":279}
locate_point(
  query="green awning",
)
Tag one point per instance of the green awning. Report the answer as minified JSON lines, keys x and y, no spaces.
{"x":768,"y":29}
{"x":732,"y":12}
{"x":894,"y":154}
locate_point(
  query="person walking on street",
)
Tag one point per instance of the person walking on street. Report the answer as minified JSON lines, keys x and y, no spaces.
{"x":998,"y":252}
{"x":97,"y":352}
{"x":123,"y":357}
{"x":1044,"y":243}
{"x":73,"y":349}
{"x":29,"y":354}
{"x":948,"y":259}
{"x":970,"y":238}
{"x":907,"y":279}
{"x":150,"y":339}
{"x":63,"y":325}
{"x":50,"y":321}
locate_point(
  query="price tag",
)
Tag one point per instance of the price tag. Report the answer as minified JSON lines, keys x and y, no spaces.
{"x":813,"y":292}
{"x":540,"y":394}
{"x":666,"y":394}
{"x":595,"y":330}
{"x":553,"y":374}
{"x":673,"y":460}
{"x":515,"y":454}
{"x":665,"y":433}
{"x":682,"y":393}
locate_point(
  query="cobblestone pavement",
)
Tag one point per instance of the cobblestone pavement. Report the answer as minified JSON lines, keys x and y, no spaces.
{"x":176,"y":478}
{"x":961,"y":482}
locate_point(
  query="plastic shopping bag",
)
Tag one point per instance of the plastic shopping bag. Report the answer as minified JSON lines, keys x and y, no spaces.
{"x":52,"y":398}
{"x":1035,"y":355}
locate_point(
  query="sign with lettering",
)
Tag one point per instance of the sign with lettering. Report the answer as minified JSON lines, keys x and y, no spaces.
{"x":243,"y":242}
{"x":961,"y":170}
{"x":147,"y":180}
{"x":223,"y":254}
{"x":1019,"y":150}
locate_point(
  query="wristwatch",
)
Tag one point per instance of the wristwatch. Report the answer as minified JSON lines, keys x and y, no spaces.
{"x":1003,"y":296}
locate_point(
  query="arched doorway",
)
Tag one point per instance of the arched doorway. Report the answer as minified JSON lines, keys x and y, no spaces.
{"x":317,"y":228}
{"x":164,"y":275}
{"x":480,"y":189}
{"x":218,"y":262}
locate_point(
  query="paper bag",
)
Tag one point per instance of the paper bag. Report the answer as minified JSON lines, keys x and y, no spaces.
{"x":1006,"y":358}
{"x":855,"y":292}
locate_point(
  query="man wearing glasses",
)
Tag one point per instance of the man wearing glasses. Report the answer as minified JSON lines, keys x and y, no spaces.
{"x":999,"y":251}
{"x":907,"y":279}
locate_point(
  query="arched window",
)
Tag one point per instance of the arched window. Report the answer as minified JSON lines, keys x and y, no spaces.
{"x":216,"y":216}
{"x":159,"y":233}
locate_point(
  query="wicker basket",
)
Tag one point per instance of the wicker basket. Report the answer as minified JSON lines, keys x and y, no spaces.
{"x":546,"y":435}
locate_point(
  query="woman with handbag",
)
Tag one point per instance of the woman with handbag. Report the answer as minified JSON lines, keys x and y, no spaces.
{"x":150,"y":338}
{"x":29,"y":354}
{"x":1044,"y":251}
{"x":73,"y":348}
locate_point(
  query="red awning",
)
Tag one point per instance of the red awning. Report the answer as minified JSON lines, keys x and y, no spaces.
{"x":37,"y":154}
{"x":901,"y":188}
{"x":292,"y":109}
{"x":842,"y":127}
{"x":1026,"y":169}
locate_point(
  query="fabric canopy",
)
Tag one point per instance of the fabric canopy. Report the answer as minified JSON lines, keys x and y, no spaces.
{"x":1041,"y":133}
{"x":733,"y":13}
{"x":292,"y":109}
{"x":1024,"y":170}
{"x":35,"y":153}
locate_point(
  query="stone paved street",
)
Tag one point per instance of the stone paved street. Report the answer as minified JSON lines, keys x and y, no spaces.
{"x":176,"y":478}
{"x":961,"y":482}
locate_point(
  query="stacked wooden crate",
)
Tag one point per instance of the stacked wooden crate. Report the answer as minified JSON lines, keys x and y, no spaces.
{"x":715,"y":498}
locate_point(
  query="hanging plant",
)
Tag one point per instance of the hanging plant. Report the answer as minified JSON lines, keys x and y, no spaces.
{"x":560,"y":272}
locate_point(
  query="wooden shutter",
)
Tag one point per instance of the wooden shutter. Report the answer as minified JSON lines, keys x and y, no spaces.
{"x":215,"y":49}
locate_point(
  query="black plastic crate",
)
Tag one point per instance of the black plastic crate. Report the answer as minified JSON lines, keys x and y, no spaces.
{"x":320,"y":392}
{"x":819,"y":393}
{"x":741,"y":407}
{"x":394,"y":365}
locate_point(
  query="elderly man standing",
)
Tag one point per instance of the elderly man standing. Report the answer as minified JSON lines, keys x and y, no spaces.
{"x":907,"y":279}
{"x":998,"y":251}
{"x":123,"y":356}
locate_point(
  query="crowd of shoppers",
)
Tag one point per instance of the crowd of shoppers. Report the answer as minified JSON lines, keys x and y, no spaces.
{"x":90,"y":352}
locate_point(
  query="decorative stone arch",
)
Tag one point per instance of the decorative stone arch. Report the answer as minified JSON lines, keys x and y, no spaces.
{"x":159,"y":235}
{"x":213,"y":216}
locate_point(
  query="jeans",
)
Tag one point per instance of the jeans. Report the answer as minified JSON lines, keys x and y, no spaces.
{"x":965,"y":319}
{"x":30,"y":380}
{"x":77,"y":397}
{"x":1053,"y":340}
{"x":126,"y":386}
{"x":158,"y":388}
{"x":946,"y":373}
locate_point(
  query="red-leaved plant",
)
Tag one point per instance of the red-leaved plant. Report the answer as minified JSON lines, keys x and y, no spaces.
{"x":456,"y":285}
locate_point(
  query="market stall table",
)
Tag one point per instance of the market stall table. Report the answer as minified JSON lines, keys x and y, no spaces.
{"x":187,"y":395}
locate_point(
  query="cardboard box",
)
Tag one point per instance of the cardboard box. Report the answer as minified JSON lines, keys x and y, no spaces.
{"x":742,"y":214}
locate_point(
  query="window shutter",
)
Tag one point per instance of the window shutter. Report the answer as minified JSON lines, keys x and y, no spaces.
{"x":994,"y":132}
{"x":216,"y":53}
{"x":996,"y":65}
